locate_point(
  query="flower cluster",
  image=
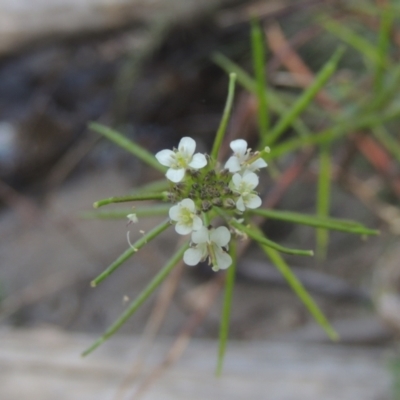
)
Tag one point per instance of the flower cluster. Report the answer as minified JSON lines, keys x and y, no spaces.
{"x":198,"y":185}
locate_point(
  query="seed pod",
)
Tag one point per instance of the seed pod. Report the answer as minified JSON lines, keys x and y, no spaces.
{"x":206,"y":205}
{"x":226,"y":191}
{"x":229,"y":204}
{"x":195,"y":173}
{"x":217,"y":201}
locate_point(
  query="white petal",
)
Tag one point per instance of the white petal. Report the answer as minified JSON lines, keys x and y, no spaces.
{"x":224,"y":260}
{"x":200,"y":236}
{"x":259,"y":163}
{"x":175,"y":175}
{"x":192,"y":256}
{"x":187,"y":146}
{"x":236,"y":180}
{"x":240,"y":204}
{"x":220,"y":236}
{"x":251,"y":179}
{"x":239,"y":146}
{"x":183,"y":229}
{"x":198,"y":161}
{"x":165,"y":157}
{"x":233,"y":164}
{"x":197,"y":223}
{"x":133,"y":218}
{"x":174,"y":212}
{"x":253,"y":201}
{"x":189,"y":204}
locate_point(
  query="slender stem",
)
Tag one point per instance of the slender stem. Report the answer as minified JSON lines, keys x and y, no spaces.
{"x":225,"y":117}
{"x":143,"y":296}
{"x":391,"y":144}
{"x":305,"y":99}
{"x":323,"y":198}
{"x":383,"y":46}
{"x":226,"y":309}
{"x":128,"y":145}
{"x":263,"y":240}
{"x":131,"y":251}
{"x":301,"y":292}
{"x":344,"y":33}
{"x":274,"y":101}
{"x":335,"y":132}
{"x":316,"y":222}
{"x":121,"y":214}
{"x":258,"y":48}
{"x":133,"y":197}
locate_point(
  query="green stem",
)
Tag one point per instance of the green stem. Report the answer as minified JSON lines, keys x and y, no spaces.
{"x":305,"y":99}
{"x":143,"y":296}
{"x":323,"y":199}
{"x":121,"y":214}
{"x":128,"y":145}
{"x":335,"y":224}
{"x":137,"y":197}
{"x":335,"y":132}
{"x":273,"y":100}
{"x":250,"y":232}
{"x":301,"y":292}
{"x":226,"y":309}
{"x":225,"y":118}
{"x":383,"y":47}
{"x":258,"y":48}
{"x":131,"y":251}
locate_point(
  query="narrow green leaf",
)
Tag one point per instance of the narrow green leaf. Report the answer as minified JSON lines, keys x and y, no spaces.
{"x":225,"y":117}
{"x":259,"y":62}
{"x":305,"y":99}
{"x":323,"y":199}
{"x":128,"y":145}
{"x":131,"y":251}
{"x":226,"y":309}
{"x":335,"y":224}
{"x":344,"y":33}
{"x":143,"y":296}
{"x":333,"y":133}
{"x":381,"y":99}
{"x":388,"y":141}
{"x":274,"y":102}
{"x":132,"y":197}
{"x":160,"y":185}
{"x":383,"y":47}
{"x":150,"y":211}
{"x":301,"y":292}
{"x":251,"y":233}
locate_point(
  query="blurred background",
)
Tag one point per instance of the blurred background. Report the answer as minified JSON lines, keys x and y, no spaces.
{"x":152,"y":70}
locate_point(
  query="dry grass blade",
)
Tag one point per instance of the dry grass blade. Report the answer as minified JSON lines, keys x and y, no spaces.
{"x":291,"y":60}
{"x":373,"y":151}
{"x":181,"y":342}
{"x":153,"y":325}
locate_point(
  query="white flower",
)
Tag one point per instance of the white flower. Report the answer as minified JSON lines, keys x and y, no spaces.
{"x":209,"y":244}
{"x":180,"y":160}
{"x":185,"y":215}
{"x":239,"y":160}
{"x":244,"y":185}
{"x":132,"y":218}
